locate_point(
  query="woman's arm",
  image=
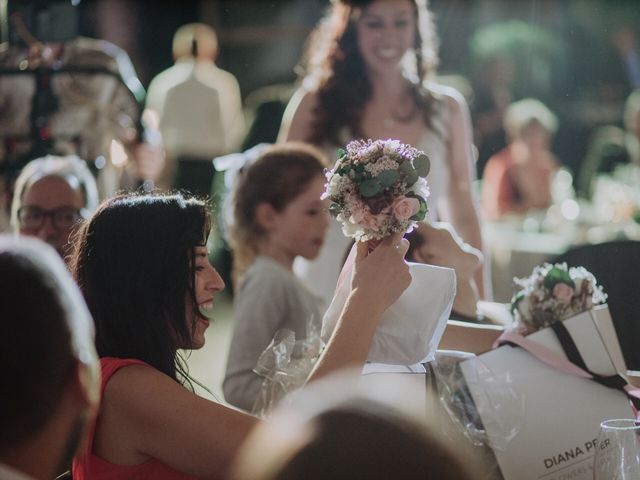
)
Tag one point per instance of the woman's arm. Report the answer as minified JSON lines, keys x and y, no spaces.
{"x":145,"y":414}
{"x":298,"y":117}
{"x":497,"y":194}
{"x":444,"y":247}
{"x":461,"y":208}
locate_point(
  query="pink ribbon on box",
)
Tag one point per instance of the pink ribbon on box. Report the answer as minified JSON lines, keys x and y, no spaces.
{"x":561,"y":363}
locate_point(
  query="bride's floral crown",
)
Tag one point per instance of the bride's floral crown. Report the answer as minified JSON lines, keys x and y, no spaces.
{"x":554,"y":293}
{"x":378,"y":188}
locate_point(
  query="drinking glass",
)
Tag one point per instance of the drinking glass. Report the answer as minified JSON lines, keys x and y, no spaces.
{"x":618,"y":450}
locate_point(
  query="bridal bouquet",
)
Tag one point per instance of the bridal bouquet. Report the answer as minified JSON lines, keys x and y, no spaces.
{"x":553,"y":293}
{"x":378,"y":188}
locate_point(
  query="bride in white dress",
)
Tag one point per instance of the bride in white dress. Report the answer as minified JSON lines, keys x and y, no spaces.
{"x":369,"y":66}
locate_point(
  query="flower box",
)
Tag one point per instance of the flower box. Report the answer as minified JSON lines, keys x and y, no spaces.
{"x":558,"y":428}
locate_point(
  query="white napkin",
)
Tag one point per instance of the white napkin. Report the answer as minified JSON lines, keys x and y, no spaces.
{"x":410,"y":330}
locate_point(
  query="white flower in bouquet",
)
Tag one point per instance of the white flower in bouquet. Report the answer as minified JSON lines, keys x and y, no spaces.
{"x":553,"y":293}
{"x":378,"y":188}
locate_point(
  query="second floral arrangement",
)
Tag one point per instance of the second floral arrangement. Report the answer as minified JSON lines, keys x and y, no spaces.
{"x":554,"y":293}
{"x":378,"y":188}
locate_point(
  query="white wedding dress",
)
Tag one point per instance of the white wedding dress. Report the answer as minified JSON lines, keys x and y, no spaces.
{"x":321,"y":274}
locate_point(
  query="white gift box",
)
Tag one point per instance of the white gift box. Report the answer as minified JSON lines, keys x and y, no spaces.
{"x":556,"y":435}
{"x":410,"y":330}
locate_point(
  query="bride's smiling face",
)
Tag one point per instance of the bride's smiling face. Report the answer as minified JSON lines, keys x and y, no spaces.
{"x":386,"y":29}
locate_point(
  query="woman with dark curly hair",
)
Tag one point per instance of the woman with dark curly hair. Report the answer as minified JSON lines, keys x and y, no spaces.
{"x":369,"y":74}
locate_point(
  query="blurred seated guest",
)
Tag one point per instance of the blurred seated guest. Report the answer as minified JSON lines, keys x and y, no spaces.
{"x":325,"y":433}
{"x":607,"y":149}
{"x":632,"y":125}
{"x":518,"y":178}
{"x":50,"y":379}
{"x":438,"y":244}
{"x":610,"y":146}
{"x":65,"y":94}
{"x":52,"y":195}
{"x":493,"y":92}
{"x":624,"y":40}
{"x":198,"y":109}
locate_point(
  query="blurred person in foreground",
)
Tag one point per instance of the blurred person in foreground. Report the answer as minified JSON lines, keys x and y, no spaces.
{"x":518,"y":178}
{"x":632,"y":125}
{"x":52,"y":196}
{"x":50,"y":380}
{"x":335,"y":430}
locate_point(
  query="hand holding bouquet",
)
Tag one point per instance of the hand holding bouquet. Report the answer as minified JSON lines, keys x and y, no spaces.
{"x":378,"y":188}
{"x":378,"y":191}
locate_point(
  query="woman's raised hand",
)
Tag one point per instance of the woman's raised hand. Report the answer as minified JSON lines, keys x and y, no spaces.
{"x":382,"y":274}
{"x":379,"y":278}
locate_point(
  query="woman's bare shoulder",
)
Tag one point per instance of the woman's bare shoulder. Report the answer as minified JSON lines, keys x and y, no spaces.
{"x":305,"y":98}
{"x":135,"y":386}
{"x":146,"y":414}
{"x":132,"y":400}
{"x":298,"y":116}
{"x":448,"y":95}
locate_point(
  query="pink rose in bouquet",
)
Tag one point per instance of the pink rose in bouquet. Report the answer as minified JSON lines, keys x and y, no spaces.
{"x":366,"y":219}
{"x":563,"y":292}
{"x":404,"y":208}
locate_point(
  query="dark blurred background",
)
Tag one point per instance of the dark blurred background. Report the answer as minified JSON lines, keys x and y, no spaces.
{"x":560,"y":51}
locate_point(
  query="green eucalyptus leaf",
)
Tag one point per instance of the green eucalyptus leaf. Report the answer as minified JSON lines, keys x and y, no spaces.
{"x":369,"y":188}
{"x":516,"y":299}
{"x":359,"y":177}
{"x":341,"y":153}
{"x":422,"y":165}
{"x":387,"y":177}
{"x":422,"y":212}
{"x":406,"y":167}
{"x":411,"y":178}
{"x":335,"y":209}
{"x":557,"y":275}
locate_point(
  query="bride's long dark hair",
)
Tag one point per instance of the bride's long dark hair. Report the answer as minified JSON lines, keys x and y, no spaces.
{"x":333,"y":67}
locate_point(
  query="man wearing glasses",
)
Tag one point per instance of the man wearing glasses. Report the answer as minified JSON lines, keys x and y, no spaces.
{"x":52,"y":194}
